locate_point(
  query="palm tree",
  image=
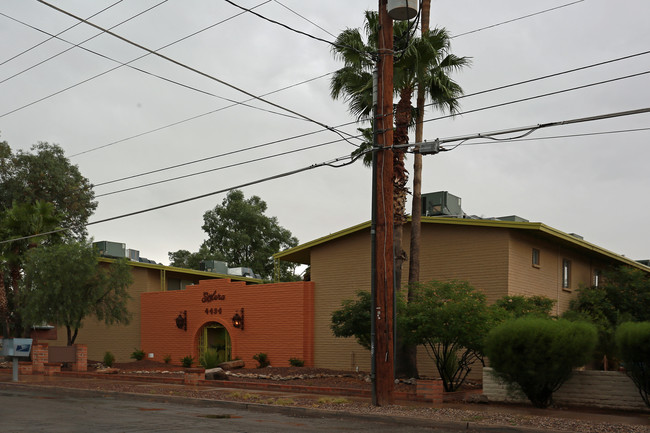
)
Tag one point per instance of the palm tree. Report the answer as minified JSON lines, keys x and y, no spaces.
{"x":422,"y":63}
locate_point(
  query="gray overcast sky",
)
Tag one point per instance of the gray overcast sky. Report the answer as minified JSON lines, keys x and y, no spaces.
{"x":591,"y":185}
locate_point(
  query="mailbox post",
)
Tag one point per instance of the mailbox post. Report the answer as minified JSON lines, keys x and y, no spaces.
{"x":16,"y":348}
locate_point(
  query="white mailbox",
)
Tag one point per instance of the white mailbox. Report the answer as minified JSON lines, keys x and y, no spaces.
{"x":20,"y":347}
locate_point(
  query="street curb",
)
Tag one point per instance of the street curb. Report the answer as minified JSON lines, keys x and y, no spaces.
{"x":293,"y":411}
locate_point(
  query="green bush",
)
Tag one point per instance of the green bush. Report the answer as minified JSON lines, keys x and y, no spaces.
{"x":633,"y":342}
{"x":210,"y":358}
{"x":167,"y":359}
{"x":109,"y":359}
{"x":138,"y":354}
{"x":187,"y":361}
{"x":262,"y":360}
{"x":539,"y":354}
{"x":296,"y":362}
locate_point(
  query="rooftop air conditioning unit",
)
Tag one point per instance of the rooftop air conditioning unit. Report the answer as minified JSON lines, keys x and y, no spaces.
{"x":111,"y":249}
{"x":441,"y":203}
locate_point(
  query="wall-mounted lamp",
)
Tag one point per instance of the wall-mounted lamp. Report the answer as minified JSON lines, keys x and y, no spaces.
{"x":238,"y":320}
{"x":181,"y":320}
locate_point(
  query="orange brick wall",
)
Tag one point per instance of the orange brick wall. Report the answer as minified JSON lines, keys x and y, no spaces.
{"x":278,"y":320}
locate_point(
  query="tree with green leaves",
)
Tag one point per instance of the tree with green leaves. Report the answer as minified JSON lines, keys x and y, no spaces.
{"x":424,"y":64}
{"x":45,"y":174}
{"x":450,"y":319}
{"x":539,"y":354}
{"x":66,"y":284}
{"x":622,"y":296}
{"x":514,"y":307}
{"x":22,"y":228}
{"x":353,"y":319}
{"x":189,"y":260}
{"x":240,"y":234}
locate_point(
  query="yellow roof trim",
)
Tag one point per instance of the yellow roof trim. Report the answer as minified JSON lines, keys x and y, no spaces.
{"x":193,"y":272}
{"x":300,"y":254}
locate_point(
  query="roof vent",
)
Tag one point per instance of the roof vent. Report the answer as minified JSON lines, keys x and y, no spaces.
{"x":576,"y":235}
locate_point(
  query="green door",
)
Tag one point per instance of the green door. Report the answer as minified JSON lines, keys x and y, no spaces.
{"x":214,"y":336}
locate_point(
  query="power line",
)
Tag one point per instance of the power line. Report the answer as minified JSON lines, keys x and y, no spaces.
{"x":351,"y":159}
{"x":304,"y":18}
{"x":199,"y":116}
{"x":54,"y":36}
{"x":197,"y":71}
{"x":346,"y":124}
{"x":503,"y":104}
{"x":237,"y":164}
{"x":516,"y":19}
{"x":555,"y":137}
{"x":527,"y":130}
{"x":120,"y":64}
{"x":75,"y":45}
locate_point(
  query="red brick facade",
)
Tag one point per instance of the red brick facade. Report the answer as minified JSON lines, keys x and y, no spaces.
{"x":278,"y":320}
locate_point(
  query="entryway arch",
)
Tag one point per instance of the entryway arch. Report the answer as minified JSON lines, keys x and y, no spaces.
{"x":214,"y":335}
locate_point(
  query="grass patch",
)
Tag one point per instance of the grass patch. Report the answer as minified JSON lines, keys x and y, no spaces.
{"x":333,"y":400}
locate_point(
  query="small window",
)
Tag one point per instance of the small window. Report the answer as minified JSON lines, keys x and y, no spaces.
{"x":536,"y":257}
{"x":566,"y":273}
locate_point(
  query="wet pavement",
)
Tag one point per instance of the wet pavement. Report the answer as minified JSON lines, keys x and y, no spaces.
{"x":86,"y":386}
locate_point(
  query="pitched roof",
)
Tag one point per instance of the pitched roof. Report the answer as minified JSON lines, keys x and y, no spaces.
{"x":301,"y":253}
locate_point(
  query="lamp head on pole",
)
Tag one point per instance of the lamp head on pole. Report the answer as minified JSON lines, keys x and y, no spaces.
{"x":401,"y":10}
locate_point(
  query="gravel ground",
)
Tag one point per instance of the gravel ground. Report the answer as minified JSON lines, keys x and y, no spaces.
{"x":482,"y":414}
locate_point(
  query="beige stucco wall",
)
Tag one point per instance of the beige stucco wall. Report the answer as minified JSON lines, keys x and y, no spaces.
{"x":121,"y":340}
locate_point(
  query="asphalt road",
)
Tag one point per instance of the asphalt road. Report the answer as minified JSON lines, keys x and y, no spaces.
{"x":31,"y":410}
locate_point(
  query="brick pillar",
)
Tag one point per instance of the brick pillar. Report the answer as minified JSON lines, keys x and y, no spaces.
{"x":193,"y":375}
{"x":81,"y":358}
{"x":51,"y":368}
{"x":39,"y":357}
{"x":430,"y":390}
{"x":25,"y":367}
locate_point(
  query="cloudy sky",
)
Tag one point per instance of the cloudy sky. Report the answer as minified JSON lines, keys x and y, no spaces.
{"x":119,"y":121}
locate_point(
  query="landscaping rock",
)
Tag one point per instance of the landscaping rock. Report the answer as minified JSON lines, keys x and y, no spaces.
{"x":215,"y":374}
{"x":232,"y":365}
{"x":108,"y":370}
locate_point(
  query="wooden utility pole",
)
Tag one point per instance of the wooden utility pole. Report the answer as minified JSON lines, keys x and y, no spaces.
{"x":383,"y":285}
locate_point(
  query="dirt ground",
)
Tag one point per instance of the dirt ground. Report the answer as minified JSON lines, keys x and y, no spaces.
{"x":330,"y":378}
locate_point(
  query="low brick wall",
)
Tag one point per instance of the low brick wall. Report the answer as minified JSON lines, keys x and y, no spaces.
{"x":25,"y":367}
{"x":193,"y":375}
{"x":606,"y":389}
{"x":52,"y":368}
{"x":431,"y":390}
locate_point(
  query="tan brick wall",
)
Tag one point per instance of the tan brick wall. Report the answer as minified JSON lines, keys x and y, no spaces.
{"x":546,"y":279}
{"x":339,"y":269}
{"x":121,"y":340}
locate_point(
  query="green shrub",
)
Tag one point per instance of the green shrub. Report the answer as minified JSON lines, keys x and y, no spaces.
{"x":187,"y":361}
{"x":539,"y":354}
{"x":167,"y":359}
{"x":210,"y":358}
{"x":138,"y":354}
{"x":262,"y":360}
{"x":633,"y":342}
{"x":109,"y":359}
{"x":296,"y":362}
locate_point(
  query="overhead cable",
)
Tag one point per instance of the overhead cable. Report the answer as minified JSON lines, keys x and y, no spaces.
{"x":197,"y":71}
{"x":517,"y":19}
{"x":54,"y":36}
